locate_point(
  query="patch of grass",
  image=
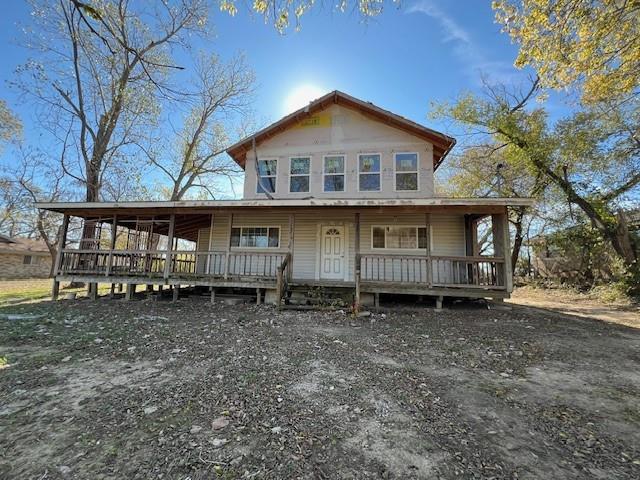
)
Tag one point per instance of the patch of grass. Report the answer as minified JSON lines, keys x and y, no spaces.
{"x":4,"y":362}
{"x":16,"y":291}
{"x":632,"y":414}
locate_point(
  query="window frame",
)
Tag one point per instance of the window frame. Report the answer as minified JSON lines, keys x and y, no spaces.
{"x":241,"y":227}
{"x":274,"y":176}
{"x":31,"y":259}
{"x":379,"y":173}
{"x":396,"y":172}
{"x":344,"y":173}
{"x":416,"y":227}
{"x":309,"y":157}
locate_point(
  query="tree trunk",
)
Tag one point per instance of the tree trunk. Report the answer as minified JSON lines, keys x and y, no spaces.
{"x":518,"y":239}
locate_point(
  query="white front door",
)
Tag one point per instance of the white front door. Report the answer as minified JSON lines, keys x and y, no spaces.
{"x":333,"y":252}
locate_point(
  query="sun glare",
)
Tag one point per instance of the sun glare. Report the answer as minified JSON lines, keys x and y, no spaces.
{"x":301,"y":96}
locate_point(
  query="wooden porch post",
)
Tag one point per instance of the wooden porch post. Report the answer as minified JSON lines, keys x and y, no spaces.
{"x":427,"y":248}
{"x":501,"y":246}
{"x":112,"y":245}
{"x":56,"y":268}
{"x":356,"y":273}
{"x":292,"y":227}
{"x":167,"y":262}
{"x":209,"y":247}
{"x":227,"y":257}
{"x":509,"y":269}
{"x":130,"y":291}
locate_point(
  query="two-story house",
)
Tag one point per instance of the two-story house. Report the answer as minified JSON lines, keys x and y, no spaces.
{"x":337,"y":194}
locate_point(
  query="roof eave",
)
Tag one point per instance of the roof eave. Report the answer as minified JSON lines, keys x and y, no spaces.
{"x":238,"y":150}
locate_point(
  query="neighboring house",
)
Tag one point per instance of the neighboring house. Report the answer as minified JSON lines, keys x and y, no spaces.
{"x":339,"y":194}
{"x":574,"y":254}
{"x":24,"y":258}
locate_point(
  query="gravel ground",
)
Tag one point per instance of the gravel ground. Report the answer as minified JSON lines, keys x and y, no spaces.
{"x":187,"y":390}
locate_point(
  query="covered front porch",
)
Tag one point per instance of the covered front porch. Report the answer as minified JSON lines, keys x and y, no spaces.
{"x":272,"y":246}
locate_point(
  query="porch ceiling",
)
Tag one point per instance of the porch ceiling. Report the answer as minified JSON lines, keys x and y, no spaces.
{"x":202,"y":208}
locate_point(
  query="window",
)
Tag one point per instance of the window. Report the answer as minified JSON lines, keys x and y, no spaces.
{"x":267,"y":171}
{"x":29,"y":260}
{"x":369,"y":173}
{"x":299,"y":174}
{"x":334,"y":173}
{"x":405,"y":238}
{"x":255,"y":237}
{"x":406,"y":165}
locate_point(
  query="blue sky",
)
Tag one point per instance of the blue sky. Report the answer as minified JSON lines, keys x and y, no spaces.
{"x":428,"y":50}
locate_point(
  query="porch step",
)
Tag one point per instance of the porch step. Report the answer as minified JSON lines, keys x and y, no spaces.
{"x":319,"y":296}
{"x":322,"y":308}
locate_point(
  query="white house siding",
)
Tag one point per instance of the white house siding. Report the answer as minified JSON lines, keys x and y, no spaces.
{"x":447,"y":235}
{"x":346,"y":133}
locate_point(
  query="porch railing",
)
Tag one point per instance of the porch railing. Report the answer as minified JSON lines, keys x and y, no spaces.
{"x":439,"y":271}
{"x":182,"y":263}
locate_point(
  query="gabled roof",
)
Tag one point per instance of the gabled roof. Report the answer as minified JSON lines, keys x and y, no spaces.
{"x":442,"y":143}
{"x":22,"y":245}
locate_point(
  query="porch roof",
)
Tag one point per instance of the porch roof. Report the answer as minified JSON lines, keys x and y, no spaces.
{"x":460,"y":205}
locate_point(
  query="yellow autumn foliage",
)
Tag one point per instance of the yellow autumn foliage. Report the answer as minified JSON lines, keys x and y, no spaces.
{"x":592,"y":45}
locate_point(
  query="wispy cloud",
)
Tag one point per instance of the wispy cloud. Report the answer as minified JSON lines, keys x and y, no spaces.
{"x":474,"y":61}
{"x":453,"y":31}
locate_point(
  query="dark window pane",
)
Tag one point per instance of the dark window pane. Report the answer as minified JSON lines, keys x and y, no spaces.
{"x":406,"y":162}
{"x":422,"y":237}
{"x":299,"y":184}
{"x":274,"y":237}
{"x":300,"y":165}
{"x":369,"y":163}
{"x":369,"y":182}
{"x":235,"y":237}
{"x":267,"y":184}
{"x":407,"y":181}
{"x":334,"y":164}
{"x":378,"y":237}
{"x":334,"y":183}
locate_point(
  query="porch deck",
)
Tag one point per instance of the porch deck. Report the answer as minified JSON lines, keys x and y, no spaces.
{"x":411,"y":275}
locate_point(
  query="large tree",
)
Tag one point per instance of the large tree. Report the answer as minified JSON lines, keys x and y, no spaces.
{"x":217,"y":100}
{"x":100,"y":70}
{"x":590,"y":44}
{"x":32,"y":178}
{"x":593,"y":156}
{"x":490,"y":169}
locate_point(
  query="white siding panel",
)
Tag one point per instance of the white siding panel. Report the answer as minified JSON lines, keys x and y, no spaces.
{"x":447,"y":235}
{"x":349,"y":134}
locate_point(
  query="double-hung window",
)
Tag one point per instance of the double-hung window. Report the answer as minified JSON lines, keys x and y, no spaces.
{"x":299,"y":168}
{"x":334,"y":173}
{"x":397,"y":237}
{"x":267,"y":173}
{"x":255,"y":237}
{"x":369,"y":172}
{"x":406,"y":167}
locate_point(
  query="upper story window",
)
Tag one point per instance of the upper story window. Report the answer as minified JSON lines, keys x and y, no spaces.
{"x":255,"y":237}
{"x":369,"y":172}
{"x":406,"y":167}
{"x":396,"y":237}
{"x":333,"y":173}
{"x":299,"y":168}
{"x":267,"y":171}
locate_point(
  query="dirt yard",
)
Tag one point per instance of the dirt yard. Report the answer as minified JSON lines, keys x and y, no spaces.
{"x":581,"y":305}
{"x":153,"y":389}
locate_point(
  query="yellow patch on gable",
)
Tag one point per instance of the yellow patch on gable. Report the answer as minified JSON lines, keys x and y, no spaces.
{"x":316,"y":121}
